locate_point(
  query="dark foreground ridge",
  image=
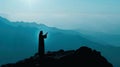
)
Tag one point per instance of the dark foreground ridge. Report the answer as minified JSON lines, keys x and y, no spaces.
{"x":82,"y":57}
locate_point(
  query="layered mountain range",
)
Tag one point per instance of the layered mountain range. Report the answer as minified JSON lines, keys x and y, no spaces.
{"x":19,"y":40}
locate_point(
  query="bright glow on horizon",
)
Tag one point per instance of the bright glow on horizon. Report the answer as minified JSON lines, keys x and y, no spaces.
{"x":29,"y":3}
{"x":66,"y":14}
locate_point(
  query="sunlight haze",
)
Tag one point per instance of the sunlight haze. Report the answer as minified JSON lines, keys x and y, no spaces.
{"x":66,"y":14}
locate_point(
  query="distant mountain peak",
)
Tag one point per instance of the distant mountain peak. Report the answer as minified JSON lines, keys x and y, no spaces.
{"x":2,"y":19}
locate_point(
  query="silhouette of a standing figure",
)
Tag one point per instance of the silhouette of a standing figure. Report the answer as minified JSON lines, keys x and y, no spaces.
{"x":41,"y":48}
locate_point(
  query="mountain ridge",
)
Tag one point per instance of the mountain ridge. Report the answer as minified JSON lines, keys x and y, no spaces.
{"x":22,"y":42}
{"x":82,"y":57}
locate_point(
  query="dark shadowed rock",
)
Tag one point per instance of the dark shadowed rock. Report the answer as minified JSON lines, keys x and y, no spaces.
{"x":82,"y":57}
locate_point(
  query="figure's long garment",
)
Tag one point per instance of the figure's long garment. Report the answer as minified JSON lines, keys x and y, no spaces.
{"x":41,"y":48}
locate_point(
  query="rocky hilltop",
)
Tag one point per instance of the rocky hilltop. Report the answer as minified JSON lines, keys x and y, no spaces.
{"x":82,"y":57}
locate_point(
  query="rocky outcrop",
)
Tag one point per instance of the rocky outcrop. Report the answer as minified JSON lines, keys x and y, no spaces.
{"x":82,"y":57}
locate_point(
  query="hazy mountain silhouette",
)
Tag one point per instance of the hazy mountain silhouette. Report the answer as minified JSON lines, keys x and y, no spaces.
{"x":82,"y":57}
{"x":100,"y":37}
{"x":15,"y":38}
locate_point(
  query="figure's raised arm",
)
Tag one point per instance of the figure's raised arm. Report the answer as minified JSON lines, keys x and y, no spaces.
{"x":45,"y":36}
{"x":46,"y":33}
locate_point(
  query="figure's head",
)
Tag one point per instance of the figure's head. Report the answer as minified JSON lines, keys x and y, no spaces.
{"x":41,"y":32}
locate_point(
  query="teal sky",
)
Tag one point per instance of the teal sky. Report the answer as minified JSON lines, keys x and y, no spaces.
{"x":66,"y":14}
